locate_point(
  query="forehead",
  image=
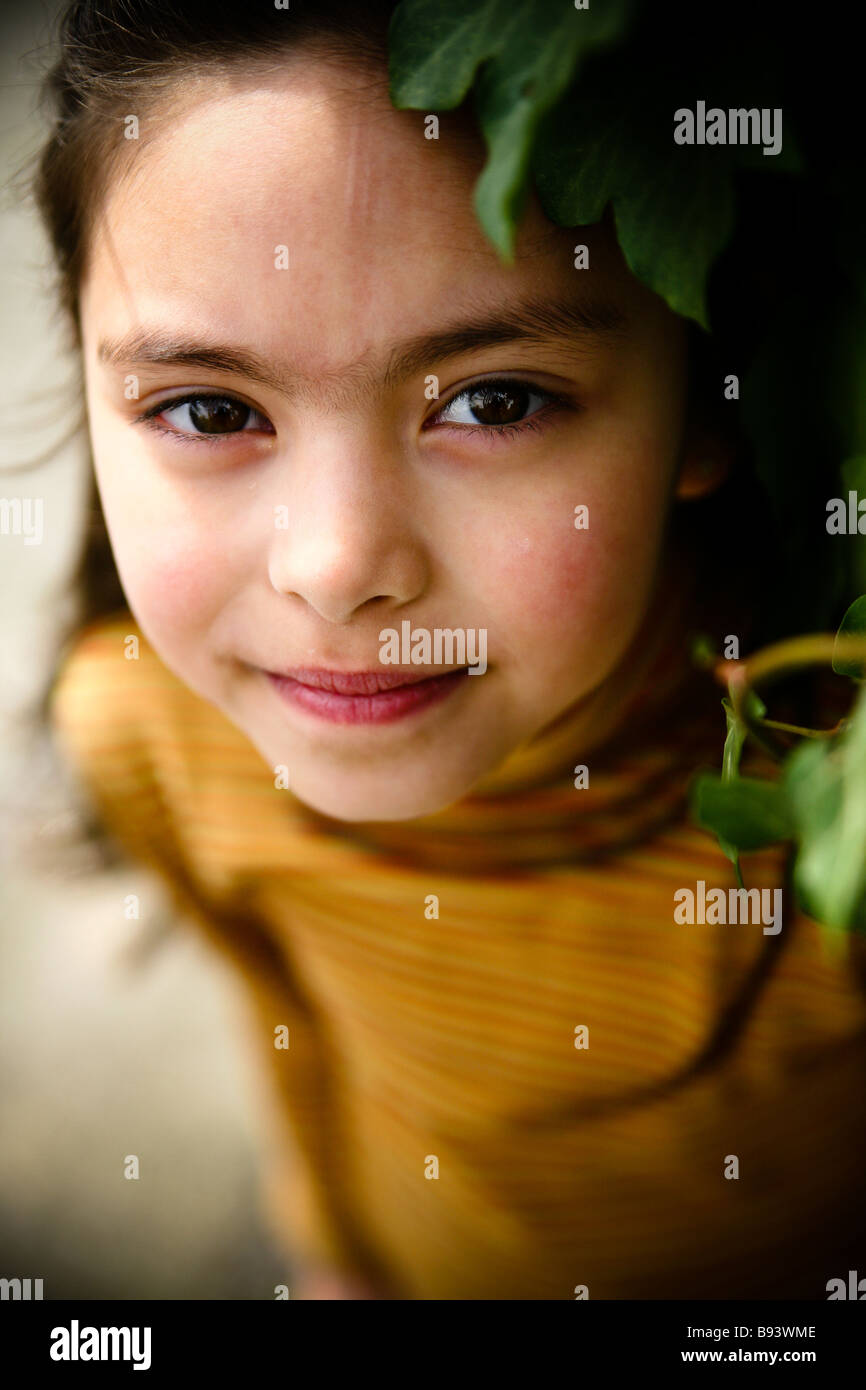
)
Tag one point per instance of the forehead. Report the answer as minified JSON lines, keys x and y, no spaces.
{"x":378,"y":224}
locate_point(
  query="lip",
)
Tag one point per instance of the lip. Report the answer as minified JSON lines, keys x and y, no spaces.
{"x":363,"y":697}
{"x":353,"y":682}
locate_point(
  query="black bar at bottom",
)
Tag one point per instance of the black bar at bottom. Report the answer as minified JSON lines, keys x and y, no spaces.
{"x":166,"y":1338}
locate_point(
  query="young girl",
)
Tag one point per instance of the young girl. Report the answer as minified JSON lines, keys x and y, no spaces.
{"x":399,"y":697}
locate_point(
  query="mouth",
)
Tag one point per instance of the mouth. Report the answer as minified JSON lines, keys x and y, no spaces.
{"x":363,"y":697}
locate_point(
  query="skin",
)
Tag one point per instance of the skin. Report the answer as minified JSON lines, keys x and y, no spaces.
{"x":393,"y":512}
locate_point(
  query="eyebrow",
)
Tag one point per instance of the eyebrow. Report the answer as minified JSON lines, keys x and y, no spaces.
{"x":582,"y":324}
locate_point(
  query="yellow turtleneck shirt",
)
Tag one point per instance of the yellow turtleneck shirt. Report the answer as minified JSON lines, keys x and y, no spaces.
{"x":509,"y":1072}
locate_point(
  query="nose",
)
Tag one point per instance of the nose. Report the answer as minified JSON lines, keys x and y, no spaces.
{"x":345,"y":529}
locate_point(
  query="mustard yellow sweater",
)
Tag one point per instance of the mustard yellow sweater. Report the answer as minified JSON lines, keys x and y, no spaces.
{"x":512,"y":1074}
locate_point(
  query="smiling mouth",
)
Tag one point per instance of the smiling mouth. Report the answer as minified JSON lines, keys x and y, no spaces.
{"x":364,"y":697}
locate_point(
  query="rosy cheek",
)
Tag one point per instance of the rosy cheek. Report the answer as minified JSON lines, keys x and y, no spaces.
{"x":172,"y":591}
{"x":558,"y":578}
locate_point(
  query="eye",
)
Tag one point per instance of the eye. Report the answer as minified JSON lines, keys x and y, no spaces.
{"x":498,"y":406}
{"x":205,"y":416}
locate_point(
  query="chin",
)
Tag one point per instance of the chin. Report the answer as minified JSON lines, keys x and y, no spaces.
{"x":351,"y":804}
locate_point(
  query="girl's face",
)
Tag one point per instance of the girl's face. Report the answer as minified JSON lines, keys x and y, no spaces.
{"x":299,"y":252}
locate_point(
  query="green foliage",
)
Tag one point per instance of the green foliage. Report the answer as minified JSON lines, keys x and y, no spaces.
{"x":824,"y":786}
{"x":528,"y":52}
{"x":746,"y":813}
{"x":673,"y":206}
{"x":818,"y":802}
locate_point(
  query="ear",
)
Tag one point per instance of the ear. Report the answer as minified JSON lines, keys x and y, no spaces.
{"x":705,"y":465}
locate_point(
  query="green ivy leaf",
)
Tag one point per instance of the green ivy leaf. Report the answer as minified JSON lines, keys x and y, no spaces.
{"x":746,"y":813}
{"x":540,"y":56}
{"x":528,"y":52}
{"x":673,"y":205}
{"x":434,"y":50}
{"x":825,"y":783}
{"x":853,"y":625}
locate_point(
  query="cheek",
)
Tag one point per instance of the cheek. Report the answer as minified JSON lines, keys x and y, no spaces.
{"x":559,"y":588}
{"x":169,"y":541}
{"x":175,"y":573}
{"x":173,"y":592}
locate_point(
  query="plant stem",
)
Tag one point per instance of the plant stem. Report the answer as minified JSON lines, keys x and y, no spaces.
{"x":792,"y":654}
{"x":804,"y":733}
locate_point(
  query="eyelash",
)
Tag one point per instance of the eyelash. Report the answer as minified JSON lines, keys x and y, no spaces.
{"x":552,"y":406}
{"x":149,"y":418}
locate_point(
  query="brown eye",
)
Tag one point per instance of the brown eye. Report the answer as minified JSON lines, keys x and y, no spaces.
{"x":198,"y":416}
{"x":218,"y":414}
{"x":499,"y":404}
{"x":502,"y":405}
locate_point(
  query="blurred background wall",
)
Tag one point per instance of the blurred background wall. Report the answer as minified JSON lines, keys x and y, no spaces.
{"x":105,"y":1049}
